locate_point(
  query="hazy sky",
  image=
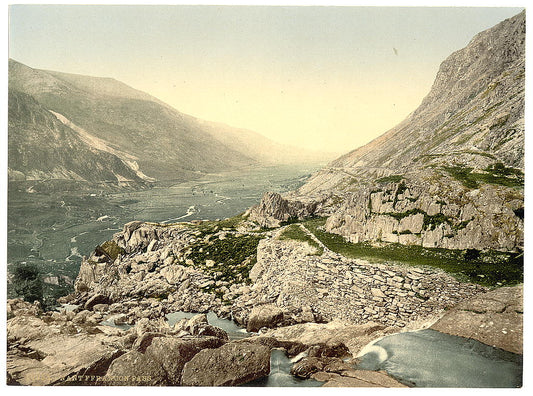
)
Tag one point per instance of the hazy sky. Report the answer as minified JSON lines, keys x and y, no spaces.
{"x":329,"y":78}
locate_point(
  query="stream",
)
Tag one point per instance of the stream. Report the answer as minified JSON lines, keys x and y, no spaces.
{"x":429,"y":358}
{"x":423,"y":358}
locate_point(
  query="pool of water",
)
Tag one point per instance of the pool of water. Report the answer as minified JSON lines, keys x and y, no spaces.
{"x":429,"y":358}
{"x":234,"y":331}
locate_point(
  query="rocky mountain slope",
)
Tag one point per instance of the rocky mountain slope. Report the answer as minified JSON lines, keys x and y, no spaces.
{"x":42,"y":147}
{"x":451,"y":174}
{"x":144,"y":134}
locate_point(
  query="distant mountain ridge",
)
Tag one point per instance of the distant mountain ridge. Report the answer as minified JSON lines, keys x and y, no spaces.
{"x":135,"y":129}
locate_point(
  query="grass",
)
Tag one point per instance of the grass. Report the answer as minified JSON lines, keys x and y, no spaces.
{"x":212,"y":226}
{"x":496,"y":173}
{"x":295,"y":232}
{"x":234,"y":256}
{"x":491,"y":268}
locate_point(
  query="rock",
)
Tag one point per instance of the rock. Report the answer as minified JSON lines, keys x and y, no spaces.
{"x":57,"y":351}
{"x":232,"y":364}
{"x":494,"y":318}
{"x":308,"y":366}
{"x":335,"y":333}
{"x":95,"y":300}
{"x":362,"y":379}
{"x":266,"y":315}
{"x":101,"y":307}
{"x":172,"y":353}
{"x":195,"y":322}
{"x":134,"y":369}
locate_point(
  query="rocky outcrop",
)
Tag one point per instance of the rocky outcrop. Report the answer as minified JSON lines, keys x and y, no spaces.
{"x":358,"y":379}
{"x":495,"y":318}
{"x":437,"y":213}
{"x":273,"y":210}
{"x":57,"y":348}
{"x":232,"y":364}
{"x":161,"y":363}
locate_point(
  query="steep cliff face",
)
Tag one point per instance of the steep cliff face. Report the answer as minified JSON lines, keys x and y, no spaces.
{"x":451,"y":174}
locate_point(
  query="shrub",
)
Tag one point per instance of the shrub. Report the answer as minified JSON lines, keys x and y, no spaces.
{"x":27,"y":283}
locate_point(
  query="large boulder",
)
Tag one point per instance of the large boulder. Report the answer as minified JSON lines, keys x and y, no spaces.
{"x":494,"y":318}
{"x":157,"y":360}
{"x":267,"y":315}
{"x":54,"y":350}
{"x":135,"y":368}
{"x":234,"y":363}
{"x":172,"y":353}
{"x":97,"y":299}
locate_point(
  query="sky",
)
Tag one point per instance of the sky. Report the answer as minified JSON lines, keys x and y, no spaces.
{"x":322,"y":78}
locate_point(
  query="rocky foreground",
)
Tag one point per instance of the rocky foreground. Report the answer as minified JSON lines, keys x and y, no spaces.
{"x":319,"y":306}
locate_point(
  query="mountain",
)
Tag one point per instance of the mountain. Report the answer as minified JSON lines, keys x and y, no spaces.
{"x":263,"y":149}
{"x":450,"y":175}
{"x":110,"y":120}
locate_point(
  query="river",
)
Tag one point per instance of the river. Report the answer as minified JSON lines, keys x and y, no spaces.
{"x":54,"y":230}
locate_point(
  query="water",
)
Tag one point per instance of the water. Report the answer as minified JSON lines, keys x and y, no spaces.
{"x":54,"y":230}
{"x":280,"y":364}
{"x":229,"y":326}
{"x":280,"y":374}
{"x":428,"y":358}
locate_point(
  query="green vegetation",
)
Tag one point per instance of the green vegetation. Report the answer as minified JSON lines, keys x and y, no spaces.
{"x":233,"y":256}
{"x":295,"y":232}
{"x":489,"y":268}
{"x":27,"y":283}
{"x":211,"y":226}
{"x":400,"y":215}
{"x":290,"y":220}
{"x":496,"y":173}
{"x":111,"y":249}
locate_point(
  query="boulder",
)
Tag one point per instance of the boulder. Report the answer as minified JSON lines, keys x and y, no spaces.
{"x":172,"y":353}
{"x":267,"y":315}
{"x":97,"y":299}
{"x":232,"y":364}
{"x":135,"y":368}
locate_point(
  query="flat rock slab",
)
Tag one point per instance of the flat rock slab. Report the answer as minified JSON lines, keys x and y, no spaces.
{"x":494,"y":318}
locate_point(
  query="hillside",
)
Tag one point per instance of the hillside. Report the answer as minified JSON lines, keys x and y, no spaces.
{"x":448,"y":176}
{"x":147,"y":135}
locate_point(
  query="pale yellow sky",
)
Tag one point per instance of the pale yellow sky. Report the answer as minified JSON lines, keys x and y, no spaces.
{"x":327,"y":78}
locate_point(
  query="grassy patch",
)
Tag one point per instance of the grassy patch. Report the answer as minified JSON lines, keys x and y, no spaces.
{"x":234,"y":256}
{"x":487,"y":268}
{"x":295,"y":232}
{"x":212,"y":226}
{"x":497,"y":173}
